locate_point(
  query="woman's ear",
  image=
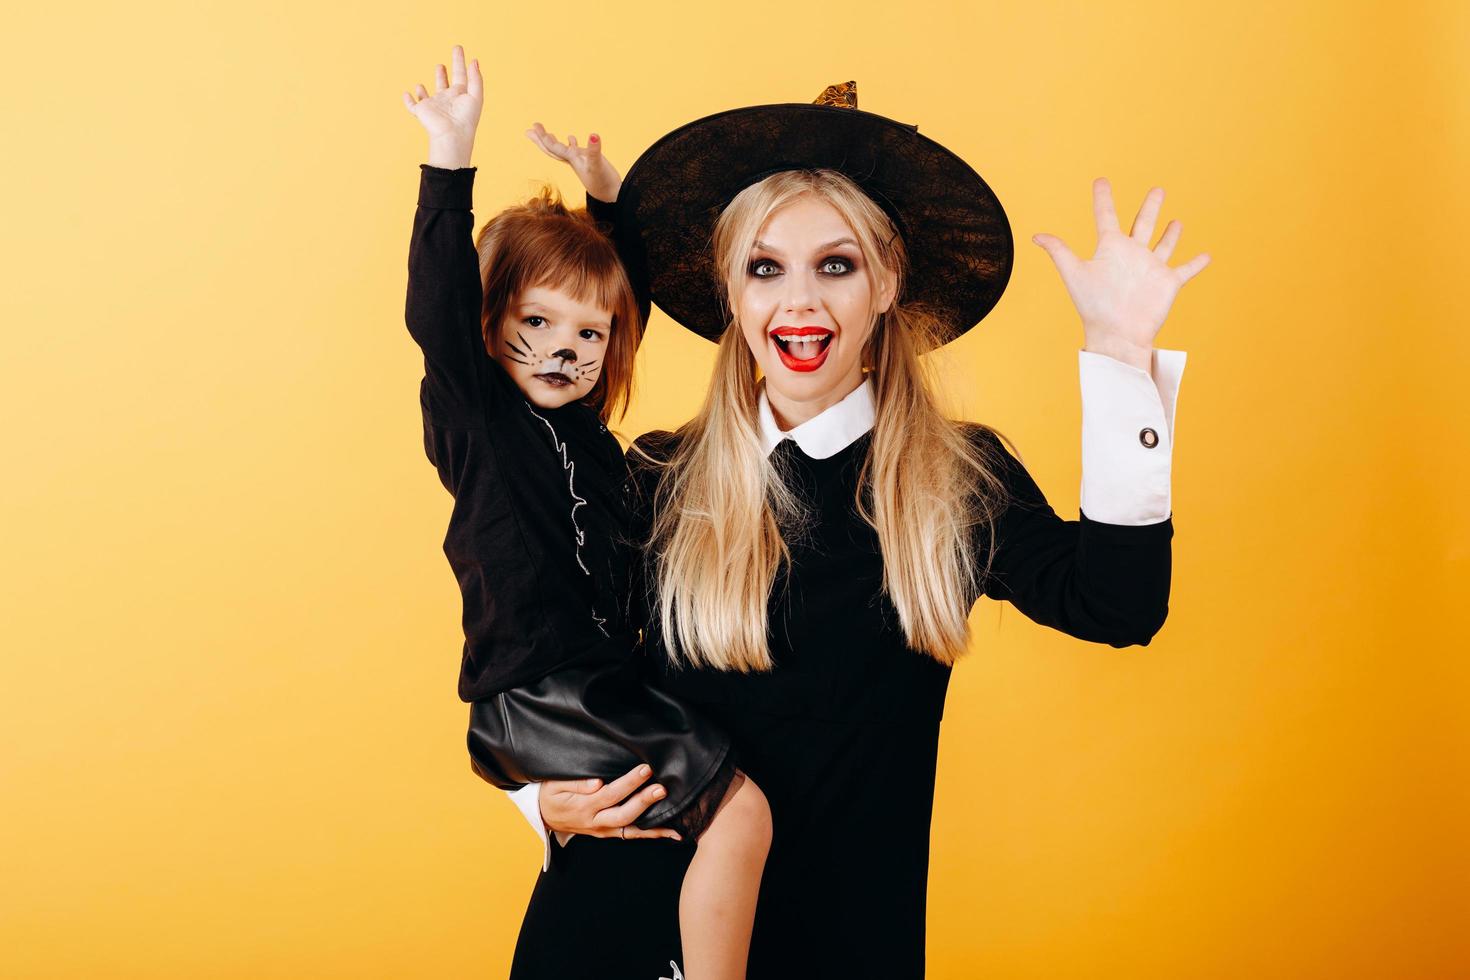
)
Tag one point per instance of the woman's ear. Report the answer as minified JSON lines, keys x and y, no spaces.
{"x":887,"y":288}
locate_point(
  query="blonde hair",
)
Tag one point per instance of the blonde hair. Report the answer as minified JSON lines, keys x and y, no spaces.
{"x":544,"y":243}
{"x":722,"y":511}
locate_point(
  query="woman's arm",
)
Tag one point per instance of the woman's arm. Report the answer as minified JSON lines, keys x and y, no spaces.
{"x":1104,"y":577}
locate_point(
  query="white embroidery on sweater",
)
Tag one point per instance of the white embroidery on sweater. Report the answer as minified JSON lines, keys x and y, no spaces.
{"x":570,"y":467}
{"x":677,"y":975}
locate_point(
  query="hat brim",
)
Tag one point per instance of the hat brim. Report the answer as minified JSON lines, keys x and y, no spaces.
{"x":956,"y":233}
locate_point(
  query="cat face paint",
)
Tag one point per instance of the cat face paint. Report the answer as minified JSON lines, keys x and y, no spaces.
{"x":552,"y":345}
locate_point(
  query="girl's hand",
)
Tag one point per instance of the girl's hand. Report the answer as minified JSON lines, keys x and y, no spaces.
{"x":585,"y":806}
{"x":452,"y":113}
{"x":1124,"y":291}
{"x":600,"y":178}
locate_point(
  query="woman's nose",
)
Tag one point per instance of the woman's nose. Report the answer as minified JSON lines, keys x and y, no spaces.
{"x":566,"y":354}
{"x":798,"y":293}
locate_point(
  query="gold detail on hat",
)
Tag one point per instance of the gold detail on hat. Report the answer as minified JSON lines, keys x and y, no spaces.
{"x":842,"y":96}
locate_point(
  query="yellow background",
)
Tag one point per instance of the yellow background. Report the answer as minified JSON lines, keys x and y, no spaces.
{"x":231,"y":742}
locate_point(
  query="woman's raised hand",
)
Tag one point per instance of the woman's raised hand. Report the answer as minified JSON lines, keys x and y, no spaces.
{"x":452,"y":113}
{"x":600,"y":178}
{"x":1125,"y":290}
{"x":585,"y":806}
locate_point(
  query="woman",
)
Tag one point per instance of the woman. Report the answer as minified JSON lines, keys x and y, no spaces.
{"x":815,"y":540}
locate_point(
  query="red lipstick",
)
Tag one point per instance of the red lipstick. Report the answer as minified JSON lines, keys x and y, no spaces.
{"x":796,"y":363}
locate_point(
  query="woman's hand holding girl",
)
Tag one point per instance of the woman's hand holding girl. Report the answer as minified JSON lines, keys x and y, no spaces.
{"x":452,"y":113}
{"x":1125,"y":290}
{"x":585,"y":806}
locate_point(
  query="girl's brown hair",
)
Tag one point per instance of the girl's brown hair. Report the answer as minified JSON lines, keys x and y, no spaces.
{"x":544,"y":243}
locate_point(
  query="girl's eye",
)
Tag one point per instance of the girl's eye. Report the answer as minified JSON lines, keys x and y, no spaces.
{"x":590,"y":334}
{"x":759,"y":264}
{"x":535,"y":321}
{"x":843,"y":266}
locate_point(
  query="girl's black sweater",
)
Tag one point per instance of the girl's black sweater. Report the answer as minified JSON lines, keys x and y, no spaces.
{"x":537,"y":535}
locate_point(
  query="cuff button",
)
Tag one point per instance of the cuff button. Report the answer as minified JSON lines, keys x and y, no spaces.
{"x":1148,"y":437}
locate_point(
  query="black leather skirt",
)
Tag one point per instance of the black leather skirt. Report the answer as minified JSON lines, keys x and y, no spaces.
{"x":599,"y":718}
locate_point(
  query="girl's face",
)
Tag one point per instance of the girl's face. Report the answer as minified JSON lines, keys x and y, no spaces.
{"x":553,"y":345}
{"x":806,"y":307}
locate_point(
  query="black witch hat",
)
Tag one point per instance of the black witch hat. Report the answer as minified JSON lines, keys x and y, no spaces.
{"x":956,"y":233}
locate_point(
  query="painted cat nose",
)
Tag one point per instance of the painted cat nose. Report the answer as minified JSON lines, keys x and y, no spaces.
{"x":566,"y":354}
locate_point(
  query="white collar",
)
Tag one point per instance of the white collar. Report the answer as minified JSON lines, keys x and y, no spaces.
{"x":827,"y":433}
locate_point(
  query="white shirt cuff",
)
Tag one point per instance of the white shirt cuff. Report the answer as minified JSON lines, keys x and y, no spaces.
{"x":1128,"y":437}
{"x":528,"y":800}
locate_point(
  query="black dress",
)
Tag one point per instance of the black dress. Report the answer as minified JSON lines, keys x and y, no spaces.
{"x":538,"y":541}
{"x":842,"y":736}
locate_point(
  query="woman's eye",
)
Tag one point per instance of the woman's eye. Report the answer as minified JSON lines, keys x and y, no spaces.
{"x":590,"y":334}
{"x":842,"y":266}
{"x":535,"y":321}
{"x":759,"y":264}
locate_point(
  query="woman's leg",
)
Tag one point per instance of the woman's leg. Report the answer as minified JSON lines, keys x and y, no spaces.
{"x":718,"y":899}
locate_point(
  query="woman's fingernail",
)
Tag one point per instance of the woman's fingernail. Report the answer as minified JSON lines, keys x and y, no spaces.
{"x":644,"y":770}
{"x":659,"y":792}
{"x":592,"y":138}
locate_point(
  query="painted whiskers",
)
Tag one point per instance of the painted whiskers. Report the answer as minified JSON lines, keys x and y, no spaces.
{"x":552,"y":362}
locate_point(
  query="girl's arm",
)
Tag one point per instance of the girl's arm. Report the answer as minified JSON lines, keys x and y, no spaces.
{"x":444,"y":298}
{"x":1105,"y":577}
{"x":603,"y":185}
{"x":444,"y":291}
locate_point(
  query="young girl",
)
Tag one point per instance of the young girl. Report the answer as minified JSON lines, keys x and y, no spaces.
{"x":528,"y":334}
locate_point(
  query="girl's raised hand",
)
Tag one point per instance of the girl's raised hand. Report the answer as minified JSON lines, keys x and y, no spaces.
{"x":1124,"y":292}
{"x":452,"y":113}
{"x":600,"y":178}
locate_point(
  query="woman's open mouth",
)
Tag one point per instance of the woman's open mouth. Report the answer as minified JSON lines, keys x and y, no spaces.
{"x":802,"y":348}
{"x":555,"y":379}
